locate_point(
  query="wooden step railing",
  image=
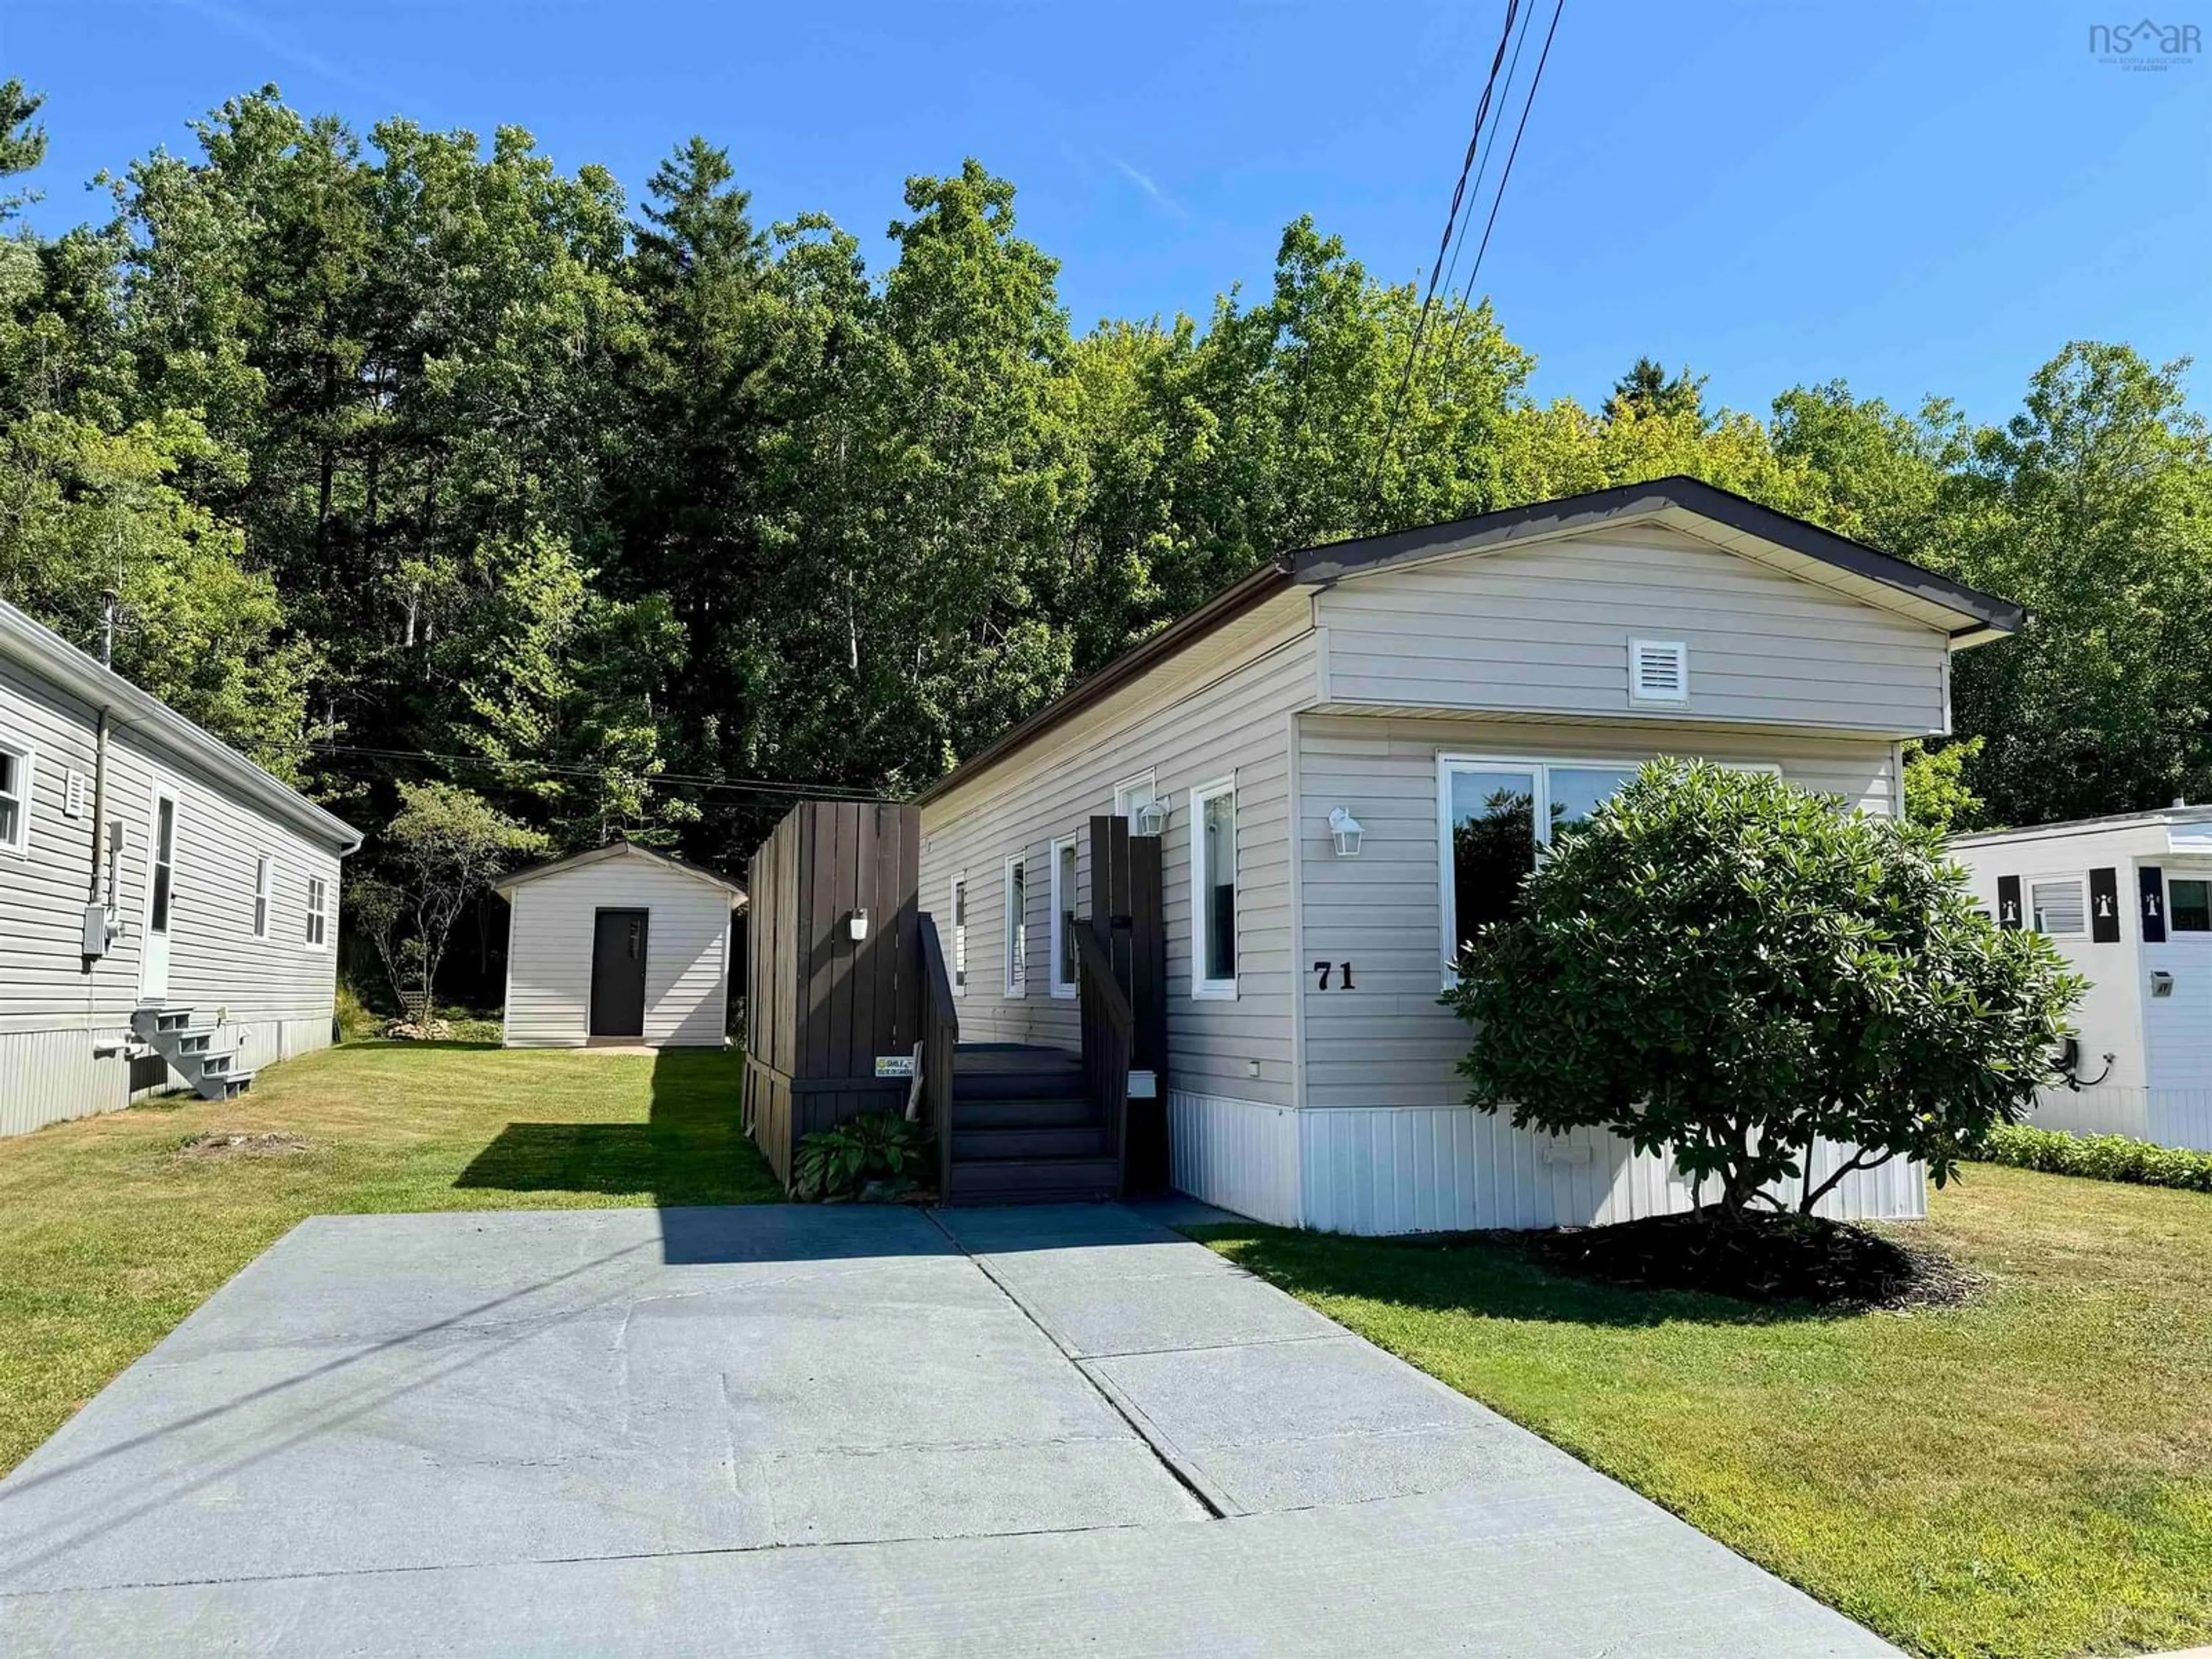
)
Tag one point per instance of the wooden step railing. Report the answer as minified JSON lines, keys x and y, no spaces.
{"x":1109,"y":1042}
{"x":940,"y":1041}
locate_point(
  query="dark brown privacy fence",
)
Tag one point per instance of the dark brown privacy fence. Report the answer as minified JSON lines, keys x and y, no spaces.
{"x":831,"y":1019}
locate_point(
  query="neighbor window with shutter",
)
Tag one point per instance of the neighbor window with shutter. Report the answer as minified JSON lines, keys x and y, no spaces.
{"x":1658,"y":671}
{"x":2058,"y":908}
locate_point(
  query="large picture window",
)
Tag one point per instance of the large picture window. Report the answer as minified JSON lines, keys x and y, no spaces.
{"x":1064,"y":874}
{"x":1017,"y":928}
{"x":1214,"y":889}
{"x":1491,"y":831}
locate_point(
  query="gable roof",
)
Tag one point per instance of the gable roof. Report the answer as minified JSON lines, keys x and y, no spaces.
{"x":51,"y":657}
{"x":1733,"y":522}
{"x":618,"y":849}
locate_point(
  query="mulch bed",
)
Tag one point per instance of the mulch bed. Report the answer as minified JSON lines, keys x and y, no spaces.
{"x":217,"y":1144}
{"x":1761,"y":1257}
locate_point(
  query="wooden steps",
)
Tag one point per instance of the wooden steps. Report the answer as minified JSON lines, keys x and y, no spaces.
{"x":1025,"y":1130}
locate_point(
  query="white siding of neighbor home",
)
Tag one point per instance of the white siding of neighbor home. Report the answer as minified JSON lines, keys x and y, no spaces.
{"x":1544,"y":628}
{"x":1222,"y":708}
{"x":63,"y":1030}
{"x":548,"y":954}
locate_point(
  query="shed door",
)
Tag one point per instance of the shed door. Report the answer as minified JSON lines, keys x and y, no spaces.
{"x":618,"y":945}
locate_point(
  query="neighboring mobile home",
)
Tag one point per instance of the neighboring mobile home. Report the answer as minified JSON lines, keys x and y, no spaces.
{"x":2128,"y":901}
{"x":172,"y":909}
{"x":1307,"y":744}
{"x":620,"y":944}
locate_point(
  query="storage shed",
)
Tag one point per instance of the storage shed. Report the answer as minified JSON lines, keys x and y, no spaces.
{"x":618,"y":946}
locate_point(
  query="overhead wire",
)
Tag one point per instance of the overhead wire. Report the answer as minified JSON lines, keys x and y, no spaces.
{"x":770,"y":787}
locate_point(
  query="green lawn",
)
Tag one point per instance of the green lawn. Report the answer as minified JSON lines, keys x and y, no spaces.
{"x":2028,"y":1475}
{"x":110,"y":1239}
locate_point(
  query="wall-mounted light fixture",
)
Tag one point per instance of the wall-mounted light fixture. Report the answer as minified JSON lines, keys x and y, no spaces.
{"x":2162,"y":982}
{"x":856,"y":925}
{"x":1150,"y":819}
{"x":1345,"y":830}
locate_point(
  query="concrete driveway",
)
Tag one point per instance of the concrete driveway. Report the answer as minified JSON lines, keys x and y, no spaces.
{"x":809,"y":1430}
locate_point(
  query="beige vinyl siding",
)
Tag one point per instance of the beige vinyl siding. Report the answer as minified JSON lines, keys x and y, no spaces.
{"x":1545,"y":629}
{"x":548,"y":954}
{"x":1387,"y":1043}
{"x":1221,"y":708}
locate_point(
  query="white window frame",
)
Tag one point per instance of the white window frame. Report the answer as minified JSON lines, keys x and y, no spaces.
{"x":1126,"y":801}
{"x":1203,"y":988}
{"x":1061,"y":904}
{"x":26,"y":765}
{"x":1013,"y":933}
{"x":1541,"y":767}
{"x":956,"y":912}
{"x":2079,"y":882}
{"x":264,"y":894}
{"x":315,"y":933}
{"x":2185,"y":875}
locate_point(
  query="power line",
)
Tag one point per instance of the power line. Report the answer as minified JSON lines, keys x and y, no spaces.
{"x":767,"y":786}
{"x":1443,"y":246}
{"x":1535,"y":82}
{"x":1504,"y":99}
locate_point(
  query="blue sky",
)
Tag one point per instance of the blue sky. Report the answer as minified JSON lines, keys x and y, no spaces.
{"x":1917,"y":197}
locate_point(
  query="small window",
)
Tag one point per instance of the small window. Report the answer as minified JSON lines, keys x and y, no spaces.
{"x":263,"y":872}
{"x":318,"y":913}
{"x":17,"y":771}
{"x":1214,"y":889}
{"x":1063,"y":918}
{"x":1658,"y":671}
{"x":959,"y":936}
{"x":1132,"y":795}
{"x":1017,"y":929}
{"x":2189,"y":906}
{"x":2059,"y":908}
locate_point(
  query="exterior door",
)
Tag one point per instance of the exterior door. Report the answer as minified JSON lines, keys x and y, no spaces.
{"x":618,"y":948}
{"x":161,"y":895}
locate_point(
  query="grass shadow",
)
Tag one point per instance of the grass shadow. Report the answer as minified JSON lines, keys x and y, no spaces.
{"x":1485,"y":1275}
{"x":690,"y":1150}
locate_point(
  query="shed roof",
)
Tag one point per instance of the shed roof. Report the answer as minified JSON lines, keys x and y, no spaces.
{"x":618,"y":849}
{"x":53,"y":658}
{"x":2189,"y":828}
{"x":1794,"y":546}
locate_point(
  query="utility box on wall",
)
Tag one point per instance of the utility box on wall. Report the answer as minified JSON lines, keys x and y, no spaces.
{"x":832,"y":987}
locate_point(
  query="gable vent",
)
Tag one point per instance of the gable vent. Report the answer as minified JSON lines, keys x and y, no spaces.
{"x":1658,"y":670}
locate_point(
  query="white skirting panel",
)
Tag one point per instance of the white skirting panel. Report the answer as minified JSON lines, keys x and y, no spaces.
{"x":1450,"y":1169}
{"x":2172,"y":1117}
{"x":1240,"y":1154}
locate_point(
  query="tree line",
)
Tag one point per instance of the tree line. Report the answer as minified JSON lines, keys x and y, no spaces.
{"x":417,"y":459}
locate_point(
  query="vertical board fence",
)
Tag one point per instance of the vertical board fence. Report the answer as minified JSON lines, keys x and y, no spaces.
{"x":821,"y":1008}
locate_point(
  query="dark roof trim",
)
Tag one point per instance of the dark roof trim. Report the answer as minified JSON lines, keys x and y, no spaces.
{"x":1334,"y":561}
{"x":1224,"y":607}
{"x":1575,"y":513}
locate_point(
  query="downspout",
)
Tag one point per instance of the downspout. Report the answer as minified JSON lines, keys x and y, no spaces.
{"x":92,"y":894}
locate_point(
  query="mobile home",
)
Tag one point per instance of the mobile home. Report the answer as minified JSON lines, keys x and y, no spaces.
{"x":172,"y":909}
{"x":1305,"y":747}
{"x":2128,"y":901}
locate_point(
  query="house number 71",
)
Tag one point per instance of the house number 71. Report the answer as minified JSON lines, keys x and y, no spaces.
{"x":1343,"y":974}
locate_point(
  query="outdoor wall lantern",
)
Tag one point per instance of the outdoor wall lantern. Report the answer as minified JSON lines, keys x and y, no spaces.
{"x":2161,"y":983}
{"x":1345,"y":830}
{"x":856,"y":925}
{"x":1150,"y":819}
